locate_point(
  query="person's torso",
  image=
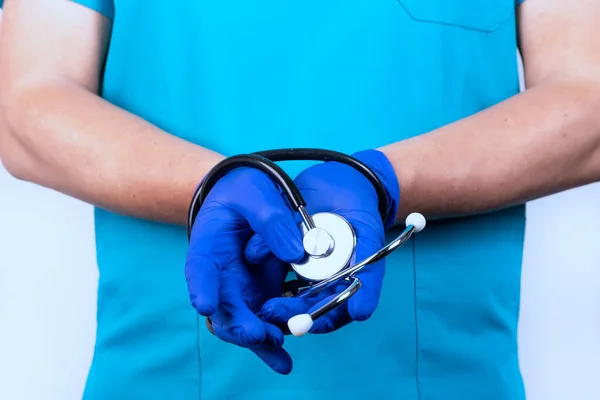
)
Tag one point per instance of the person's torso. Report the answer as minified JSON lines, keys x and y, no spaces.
{"x":240,"y":76}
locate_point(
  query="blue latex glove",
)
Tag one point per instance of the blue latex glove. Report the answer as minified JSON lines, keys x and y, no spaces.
{"x":222,"y":285}
{"x":337,"y":188}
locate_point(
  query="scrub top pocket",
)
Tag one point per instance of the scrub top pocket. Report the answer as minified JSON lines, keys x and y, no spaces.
{"x":482,"y":15}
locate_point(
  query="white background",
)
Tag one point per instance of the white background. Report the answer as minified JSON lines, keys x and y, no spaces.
{"x":48,"y":291}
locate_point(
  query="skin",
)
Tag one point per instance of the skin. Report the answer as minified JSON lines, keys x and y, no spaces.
{"x":540,"y":142}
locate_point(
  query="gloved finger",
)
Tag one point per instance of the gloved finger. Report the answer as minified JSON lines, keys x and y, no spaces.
{"x":270,"y":217}
{"x":243,"y":324}
{"x":272,"y":352}
{"x":214,"y":237}
{"x":228,"y":329}
{"x":369,"y":239}
{"x":276,"y":358}
{"x":257,"y":251}
{"x":202,"y":276}
{"x":220,"y":324}
{"x":279,"y":310}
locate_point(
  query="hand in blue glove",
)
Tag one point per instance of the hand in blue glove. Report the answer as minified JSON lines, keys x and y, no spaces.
{"x":337,"y":188}
{"x":221,"y":284}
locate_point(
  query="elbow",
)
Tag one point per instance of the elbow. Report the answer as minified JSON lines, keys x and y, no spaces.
{"x":27,"y":121}
{"x":13,"y":155}
{"x":15,"y":170}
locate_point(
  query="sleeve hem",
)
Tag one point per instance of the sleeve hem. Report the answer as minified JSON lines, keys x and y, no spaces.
{"x":104,"y":7}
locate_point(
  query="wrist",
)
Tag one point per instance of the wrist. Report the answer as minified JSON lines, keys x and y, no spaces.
{"x":378,"y":162}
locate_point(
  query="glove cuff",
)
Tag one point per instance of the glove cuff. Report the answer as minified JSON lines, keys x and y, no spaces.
{"x":382,"y":167}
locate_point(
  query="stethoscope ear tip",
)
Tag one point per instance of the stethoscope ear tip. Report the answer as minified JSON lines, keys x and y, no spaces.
{"x":300,"y":324}
{"x":417,"y":221}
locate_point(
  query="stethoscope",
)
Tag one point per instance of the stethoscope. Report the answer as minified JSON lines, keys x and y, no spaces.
{"x":329,"y":240}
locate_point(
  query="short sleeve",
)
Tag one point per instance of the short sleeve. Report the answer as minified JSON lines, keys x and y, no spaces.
{"x":104,"y":7}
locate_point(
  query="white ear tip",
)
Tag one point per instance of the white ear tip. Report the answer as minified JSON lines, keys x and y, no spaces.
{"x":417,"y":221}
{"x":300,"y":324}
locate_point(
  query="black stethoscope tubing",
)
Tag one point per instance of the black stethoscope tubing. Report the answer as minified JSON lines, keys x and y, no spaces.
{"x":265,"y":161}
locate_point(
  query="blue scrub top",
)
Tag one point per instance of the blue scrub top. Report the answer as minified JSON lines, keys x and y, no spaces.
{"x":240,"y":76}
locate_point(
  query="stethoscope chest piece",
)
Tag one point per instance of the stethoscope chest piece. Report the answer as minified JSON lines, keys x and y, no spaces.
{"x":329,"y":247}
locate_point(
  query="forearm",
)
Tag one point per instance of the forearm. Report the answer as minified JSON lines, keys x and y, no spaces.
{"x":542,"y":141}
{"x":66,"y":138}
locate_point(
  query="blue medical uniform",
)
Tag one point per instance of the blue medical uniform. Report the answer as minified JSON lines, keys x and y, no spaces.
{"x":240,"y":76}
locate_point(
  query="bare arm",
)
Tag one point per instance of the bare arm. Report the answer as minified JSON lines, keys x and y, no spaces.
{"x":57,"y":132}
{"x":542,"y":141}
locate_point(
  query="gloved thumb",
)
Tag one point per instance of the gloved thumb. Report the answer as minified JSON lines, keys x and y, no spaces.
{"x":210,"y":247}
{"x":202,"y":276}
{"x":270,"y":217}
